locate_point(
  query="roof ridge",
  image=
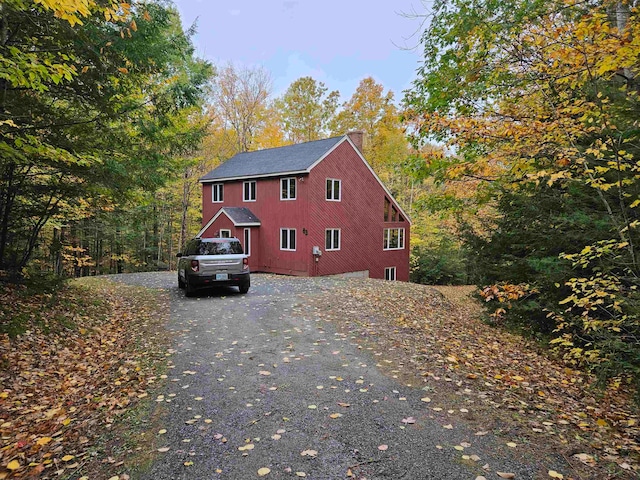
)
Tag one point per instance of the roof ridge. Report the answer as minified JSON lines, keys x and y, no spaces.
{"x":287,"y":159}
{"x":291,"y":145}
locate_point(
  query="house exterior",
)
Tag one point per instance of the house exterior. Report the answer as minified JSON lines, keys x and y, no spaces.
{"x":311,"y":209}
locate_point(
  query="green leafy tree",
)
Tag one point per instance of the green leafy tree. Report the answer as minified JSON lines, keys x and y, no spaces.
{"x":373,"y":112}
{"x":110,"y":122}
{"x":545,"y":94}
{"x":306,"y":109}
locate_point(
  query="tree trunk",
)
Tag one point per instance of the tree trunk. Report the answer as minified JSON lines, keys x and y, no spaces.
{"x":155,"y":241}
{"x":622,"y":21}
{"x":6,"y":202}
{"x":186,"y":193}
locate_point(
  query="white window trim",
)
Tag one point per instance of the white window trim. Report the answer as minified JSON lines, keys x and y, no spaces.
{"x":289,"y":180}
{"x":295,"y":236}
{"x":247,"y":242}
{"x":387,"y":274}
{"x":255,"y":190}
{"x":339,"y":199}
{"x":339,"y":239}
{"x":386,"y":239}
{"x":214,"y":187}
{"x":224,"y":230}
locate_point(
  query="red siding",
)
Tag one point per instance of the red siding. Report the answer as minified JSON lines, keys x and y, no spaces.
{"x":359,"y":215}
{"x":273,"y":214}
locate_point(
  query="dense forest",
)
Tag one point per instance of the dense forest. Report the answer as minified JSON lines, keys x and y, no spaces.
{"x":538,"y":105}
{"x":103,"y":144}
{"x":515,"y":152}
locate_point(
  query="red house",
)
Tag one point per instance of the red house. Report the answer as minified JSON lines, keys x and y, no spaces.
{"x":316,"y":208}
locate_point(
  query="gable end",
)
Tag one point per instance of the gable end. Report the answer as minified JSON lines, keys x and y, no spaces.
{"x":348,"y":140}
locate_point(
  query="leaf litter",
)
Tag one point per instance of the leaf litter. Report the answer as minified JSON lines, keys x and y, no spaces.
{"x":434,"y":336}
{"x":85,"y":356}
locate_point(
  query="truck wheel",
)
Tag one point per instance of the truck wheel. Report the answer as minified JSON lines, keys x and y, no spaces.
{"x":244,"y":287}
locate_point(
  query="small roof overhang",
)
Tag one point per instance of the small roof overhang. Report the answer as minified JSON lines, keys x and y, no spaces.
{"x":240,"y":216}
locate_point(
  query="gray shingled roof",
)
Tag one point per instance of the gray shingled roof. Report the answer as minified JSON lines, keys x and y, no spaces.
{"x":240,"y":215}
{"x":272,"y":161}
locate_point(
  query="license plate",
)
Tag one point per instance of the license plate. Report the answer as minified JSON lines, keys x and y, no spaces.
{"x":222,"y":276}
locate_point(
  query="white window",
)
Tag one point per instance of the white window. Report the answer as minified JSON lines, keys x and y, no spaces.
{"x":288,"y":188}
{"x":333,"y":189}
{"x":390,"y":273}
{"x":247,"y":241}
{"x":393,"y":239}
{"x":332,"y":239}
{"x":224,"y":233}
{"x":249,"y":192}
{"x":217,"y":193}
{"x":288,"y":239}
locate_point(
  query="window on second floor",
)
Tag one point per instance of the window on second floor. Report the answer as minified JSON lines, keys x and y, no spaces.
{"x":393,"y":239}
{"x":225,"y":233}
{"x":288,"y":239}
{"x":288,"y":188}
{"x":332,"y":239}
{"x":249,"y":194}
{"x":217,"y":192}
{"x":387,"y":206}
{"x":333,"y":189}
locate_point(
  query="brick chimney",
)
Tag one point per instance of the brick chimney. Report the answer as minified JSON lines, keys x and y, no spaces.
{"x":356,"y":137}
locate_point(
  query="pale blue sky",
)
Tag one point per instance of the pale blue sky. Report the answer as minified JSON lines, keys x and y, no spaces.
{"x":335,"y":42}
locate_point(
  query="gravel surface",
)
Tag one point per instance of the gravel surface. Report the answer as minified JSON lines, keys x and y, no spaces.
{"x":258,"y":372}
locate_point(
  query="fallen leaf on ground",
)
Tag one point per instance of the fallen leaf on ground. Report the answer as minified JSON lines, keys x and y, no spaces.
{"x":585,"y":458}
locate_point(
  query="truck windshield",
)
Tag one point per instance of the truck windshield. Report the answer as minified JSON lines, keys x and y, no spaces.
{"x":219,"y":248}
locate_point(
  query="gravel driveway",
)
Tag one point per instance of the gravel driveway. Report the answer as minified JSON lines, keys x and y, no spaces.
{"x":256,"y":382}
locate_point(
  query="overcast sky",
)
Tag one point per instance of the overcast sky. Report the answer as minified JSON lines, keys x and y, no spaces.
{"x":338,"y":42}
